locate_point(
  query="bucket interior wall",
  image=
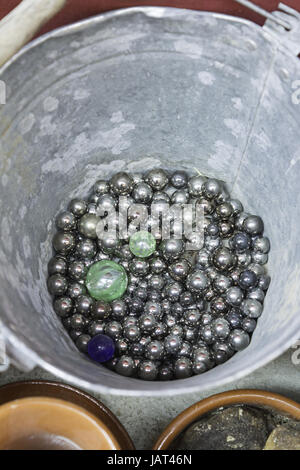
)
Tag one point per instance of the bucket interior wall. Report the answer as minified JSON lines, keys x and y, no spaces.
{"x":86,"y":104}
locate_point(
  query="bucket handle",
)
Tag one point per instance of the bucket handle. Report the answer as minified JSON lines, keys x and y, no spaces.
{"x":283,"y":24}
{"x":21,"y":24}
{"x":270,"y":16}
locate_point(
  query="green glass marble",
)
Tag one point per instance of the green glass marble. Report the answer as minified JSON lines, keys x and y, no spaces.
{"x":142,"y":244}
{"x":106,"y":280}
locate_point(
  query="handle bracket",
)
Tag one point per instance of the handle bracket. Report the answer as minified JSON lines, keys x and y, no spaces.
{"x":283,"y":24}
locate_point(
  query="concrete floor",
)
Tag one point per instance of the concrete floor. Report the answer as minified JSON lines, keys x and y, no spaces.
{"x":145,"y":418}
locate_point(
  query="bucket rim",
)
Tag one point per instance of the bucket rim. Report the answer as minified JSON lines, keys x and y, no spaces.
{"x":279,"y":346}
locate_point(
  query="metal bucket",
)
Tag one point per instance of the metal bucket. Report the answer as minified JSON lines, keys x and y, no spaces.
{"x":136,"y":89}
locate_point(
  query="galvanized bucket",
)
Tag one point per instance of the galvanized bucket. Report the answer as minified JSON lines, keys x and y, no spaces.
{"x":136,"y":89}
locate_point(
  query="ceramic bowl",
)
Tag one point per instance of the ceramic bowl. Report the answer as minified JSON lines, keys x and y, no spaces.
{"x":77,"y":400}
{"x":259,"y":398}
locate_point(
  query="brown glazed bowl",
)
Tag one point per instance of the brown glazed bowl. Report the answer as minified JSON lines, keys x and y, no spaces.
{"x":67,"y":393}
{"x":260,"y":398}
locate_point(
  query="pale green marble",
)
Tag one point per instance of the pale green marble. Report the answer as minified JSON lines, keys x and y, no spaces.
{"x":106,"y":280}
{"x":142,"y":244}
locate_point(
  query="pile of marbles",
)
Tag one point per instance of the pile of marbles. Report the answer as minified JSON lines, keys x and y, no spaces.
{"x":150,"y":308}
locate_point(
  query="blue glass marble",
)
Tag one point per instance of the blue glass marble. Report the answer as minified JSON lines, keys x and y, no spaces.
{"x":101,"y":348}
